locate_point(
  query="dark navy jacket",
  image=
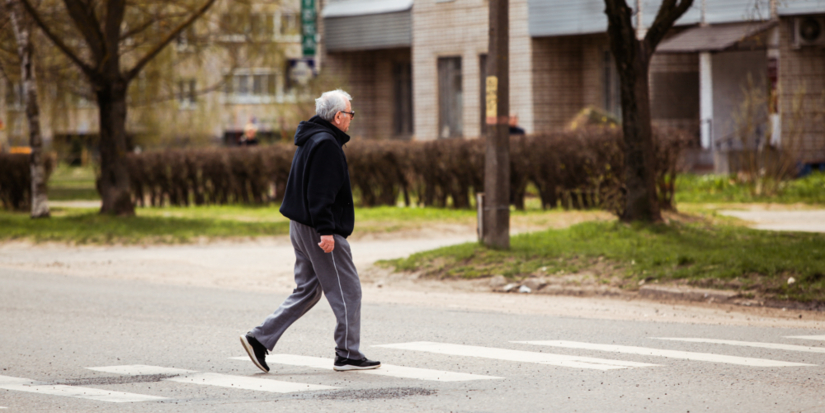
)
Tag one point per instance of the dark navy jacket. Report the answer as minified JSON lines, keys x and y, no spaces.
{"x":318,"y":192}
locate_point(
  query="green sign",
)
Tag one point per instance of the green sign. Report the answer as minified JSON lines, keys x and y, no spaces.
{"x":309,"y":30}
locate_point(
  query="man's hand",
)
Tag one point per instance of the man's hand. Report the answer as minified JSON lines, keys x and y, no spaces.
{"x":327,"y":243}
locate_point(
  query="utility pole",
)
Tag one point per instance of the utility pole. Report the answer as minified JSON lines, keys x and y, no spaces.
{"x":496,"y":208}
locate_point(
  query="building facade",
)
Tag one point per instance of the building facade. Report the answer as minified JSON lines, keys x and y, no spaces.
{"x":191,"y":94}
{"x":560,"y":63}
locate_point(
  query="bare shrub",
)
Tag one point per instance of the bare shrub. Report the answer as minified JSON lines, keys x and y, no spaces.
{"x":576,"y":169}
{"x":15,"y":180}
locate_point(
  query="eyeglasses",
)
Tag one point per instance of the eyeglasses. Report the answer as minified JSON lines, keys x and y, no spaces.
{"x":350,"y":113}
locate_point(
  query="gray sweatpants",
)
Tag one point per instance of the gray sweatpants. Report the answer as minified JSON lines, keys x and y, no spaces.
{"x":317,"y":271}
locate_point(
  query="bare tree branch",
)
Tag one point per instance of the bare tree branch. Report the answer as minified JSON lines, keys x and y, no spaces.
{"x":668,"y":13}
{"x":87,"y":24}
{"x":171,"y":36}
{"x":114,"y":20}
{"x":86,"y":68}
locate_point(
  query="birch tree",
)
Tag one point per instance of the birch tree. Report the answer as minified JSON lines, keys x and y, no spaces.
{"x":22,"y":27}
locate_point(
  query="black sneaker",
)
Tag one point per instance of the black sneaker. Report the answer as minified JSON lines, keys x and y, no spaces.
{"x":257,"y":352}
{"x":344,"y":364}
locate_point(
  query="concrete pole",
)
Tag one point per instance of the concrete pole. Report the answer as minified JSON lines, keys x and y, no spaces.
{"x":706,"y":99}
{"x":641,"y":30}
{"x":774,"y":67}
{"x":496,"y":215}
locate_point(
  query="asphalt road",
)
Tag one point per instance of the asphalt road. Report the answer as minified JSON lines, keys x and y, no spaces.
{"x":54,"y":328}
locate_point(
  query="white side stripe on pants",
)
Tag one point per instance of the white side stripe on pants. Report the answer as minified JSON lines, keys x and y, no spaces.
{"x":346,"y":313}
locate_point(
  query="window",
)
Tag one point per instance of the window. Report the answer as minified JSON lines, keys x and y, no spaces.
{"x":187,"y":93}
{"x":260,"y":86}
{"x":185,"y":39}
{"x":14,"y":95}
{"x":240,"y":27}
{"x":403,"y":113}
{"x":612,"y":86}
{"x":290,"y":24}
{"x":450,"y":99}
{"x":674,"y":95}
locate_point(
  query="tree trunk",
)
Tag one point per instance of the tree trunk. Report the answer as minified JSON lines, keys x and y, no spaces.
{"x":632,"y":62}
{"x":639,"y":155}
{"x":25,"y":51}
{"x":114,"y":182}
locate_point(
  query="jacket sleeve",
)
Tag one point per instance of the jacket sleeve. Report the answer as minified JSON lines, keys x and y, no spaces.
{"x":325,"y":178}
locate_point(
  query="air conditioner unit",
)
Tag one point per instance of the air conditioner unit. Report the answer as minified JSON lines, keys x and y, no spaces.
{"x":809,"y":31}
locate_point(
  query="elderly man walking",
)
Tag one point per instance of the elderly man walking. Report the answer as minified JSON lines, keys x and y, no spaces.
{"x":318,"y":202}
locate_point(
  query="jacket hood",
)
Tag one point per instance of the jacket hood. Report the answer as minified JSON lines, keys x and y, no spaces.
{"x":306,"y":129}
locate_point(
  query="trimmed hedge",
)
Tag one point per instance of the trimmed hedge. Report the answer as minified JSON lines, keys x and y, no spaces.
{"x":579,"y":169}
{"x":16,"y":181}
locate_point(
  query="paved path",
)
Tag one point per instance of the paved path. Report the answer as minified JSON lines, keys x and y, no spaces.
{"x":806,"y":220}
{"x":264,"y":265}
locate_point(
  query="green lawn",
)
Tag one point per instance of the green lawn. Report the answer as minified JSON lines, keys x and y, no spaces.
{"x":188,"y":224}
{"x":87,"y":226}
{"x":70,"y":183}
{"x":692,"y":188}
{"x":718,"y":256}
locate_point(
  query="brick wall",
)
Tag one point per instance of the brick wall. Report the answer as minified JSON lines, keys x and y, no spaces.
{"x":568,"y":75}
{"x":459,"y":28}
{"x":802,"y":75}
{"x":367,"y":76}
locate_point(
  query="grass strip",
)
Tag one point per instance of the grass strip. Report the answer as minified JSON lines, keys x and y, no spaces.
{"x":725,"y":188}
{"x":89,"y":227}
{"x":750,"y":261}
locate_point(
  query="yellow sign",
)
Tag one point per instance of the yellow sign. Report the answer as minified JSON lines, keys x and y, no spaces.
{"x":492,"y":99}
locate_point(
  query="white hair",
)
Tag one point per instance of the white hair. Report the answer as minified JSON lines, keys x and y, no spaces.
{"x":331,"y":103}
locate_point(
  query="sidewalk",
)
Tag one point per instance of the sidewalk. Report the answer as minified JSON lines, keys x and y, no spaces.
{"x":803,"y":221}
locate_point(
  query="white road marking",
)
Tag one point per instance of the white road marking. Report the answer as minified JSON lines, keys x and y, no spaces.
{"x":773,"y":346}
{"x":821,"y":338}
{"x":215,"y":379}
{"x":517,"y":355}
{"x":385,"y":370}
{"x":247,"y":383}
{"x":675,"y":354}
{"x":140,"y":370}
{"x":31,"y":386}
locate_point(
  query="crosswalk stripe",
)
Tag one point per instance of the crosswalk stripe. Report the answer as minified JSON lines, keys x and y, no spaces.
{"x":821,"y":338}
{"x":773,"y":346}
{"x":215,"y":379}
{"x":32,"y":386}
{"x":139,"y":370}
{"x":685,"y":355}
{"x":517,"y":355}
{"x":385,"y":370}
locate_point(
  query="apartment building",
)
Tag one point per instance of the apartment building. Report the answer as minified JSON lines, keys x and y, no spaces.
{"x":560,"y":63}
{"x":190,"y":94}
